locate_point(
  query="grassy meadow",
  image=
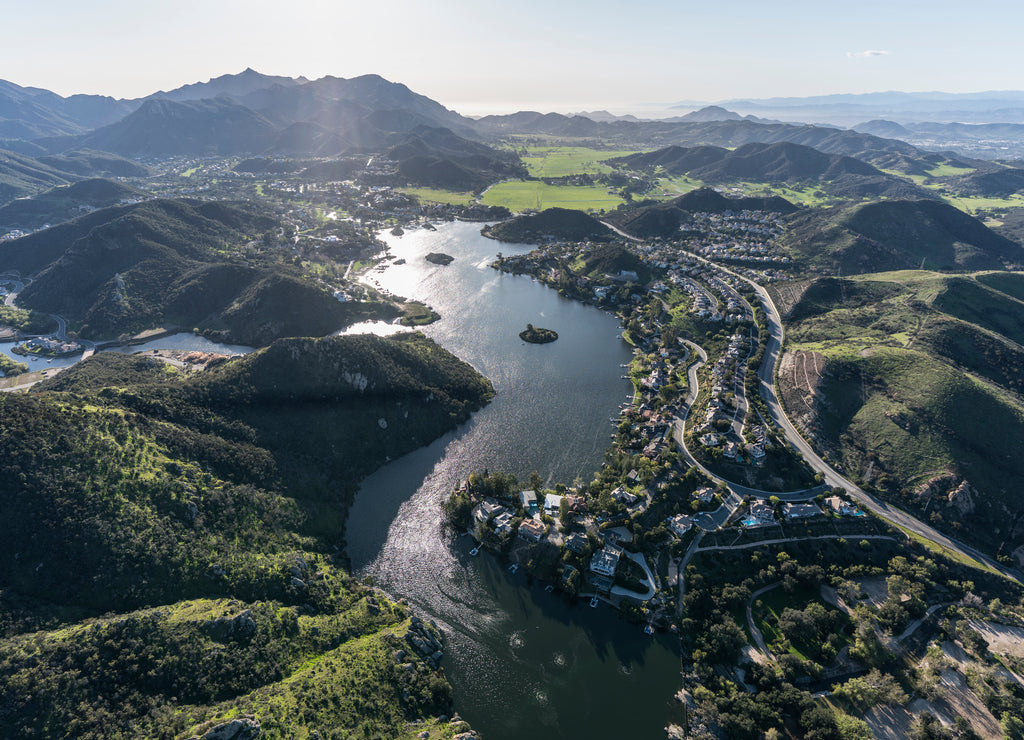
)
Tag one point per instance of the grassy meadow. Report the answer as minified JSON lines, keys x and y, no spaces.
{"x":523,"y":195}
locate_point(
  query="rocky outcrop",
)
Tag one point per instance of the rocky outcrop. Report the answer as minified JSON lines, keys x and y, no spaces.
{"x":962,"y":498}
{"x":241,"y":626}
{"x":243,"y":728}
{"x":426,"y":640}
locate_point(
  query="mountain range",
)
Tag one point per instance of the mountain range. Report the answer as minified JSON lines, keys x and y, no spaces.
{"x":261,"y":114}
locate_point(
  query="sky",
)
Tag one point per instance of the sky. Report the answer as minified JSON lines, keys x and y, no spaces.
{"x":479,"y":56}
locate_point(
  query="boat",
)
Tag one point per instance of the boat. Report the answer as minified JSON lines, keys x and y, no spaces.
{"x":649,"y":630}
{"x":514,"y":567}
{"x":475,"y":551}
{"x":593,"y":602}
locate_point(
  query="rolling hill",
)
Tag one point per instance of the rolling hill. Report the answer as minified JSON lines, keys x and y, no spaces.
{"x":913,"y":381}
{"x":65,"y":202}
{"x":174,"y":554}
{"x":783,"y":162}
{"x":128,"y":268}
{"x":21,"y":175}
{"x":560,"y":223}
{"x":650,"y":219}
{"x":896,"y":235}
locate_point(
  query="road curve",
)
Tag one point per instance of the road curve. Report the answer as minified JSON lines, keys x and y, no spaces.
{"x":832,"y":477}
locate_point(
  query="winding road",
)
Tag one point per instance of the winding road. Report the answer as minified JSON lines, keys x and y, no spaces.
{"x":832,"y":477}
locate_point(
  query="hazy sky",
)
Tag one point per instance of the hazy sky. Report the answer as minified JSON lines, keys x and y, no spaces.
{"x":476,"y":55}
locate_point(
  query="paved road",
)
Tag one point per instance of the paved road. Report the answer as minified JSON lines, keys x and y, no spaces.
{"x":652,"y":588}
{"x":832,"y":477}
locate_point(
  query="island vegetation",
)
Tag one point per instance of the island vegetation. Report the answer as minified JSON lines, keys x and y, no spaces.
{"x":439,"y":258}
{"x":537,"y":335}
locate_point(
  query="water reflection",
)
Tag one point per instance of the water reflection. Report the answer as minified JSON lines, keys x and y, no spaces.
{"x":522,"y":660}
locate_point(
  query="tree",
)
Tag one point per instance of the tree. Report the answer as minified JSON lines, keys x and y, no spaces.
{"x":536,"y":482}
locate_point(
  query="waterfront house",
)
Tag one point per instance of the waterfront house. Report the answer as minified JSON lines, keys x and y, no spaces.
{"x":606,"y":560}
{"x":532,"y":530}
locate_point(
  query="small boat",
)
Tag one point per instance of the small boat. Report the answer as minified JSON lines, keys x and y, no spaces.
{"x":593,"y":602}
{"x":513,"y":568}
{"x":549,"y":588}
{"x":475,"y":551}
{"x":649,"y":630}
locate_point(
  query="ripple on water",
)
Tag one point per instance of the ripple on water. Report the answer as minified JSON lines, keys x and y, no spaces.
{"x":516,"y":641}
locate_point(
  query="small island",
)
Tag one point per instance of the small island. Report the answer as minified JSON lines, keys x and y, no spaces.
{"x":439,"y":258}
{"x":536,"y":335}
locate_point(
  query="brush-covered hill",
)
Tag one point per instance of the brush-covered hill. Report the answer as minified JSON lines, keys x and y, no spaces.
{"x":91,"y":163}
{"x":649,"y":219}
{"x":437,"y":157}
{"x":896,"y":235}
{"x":21,"y":175}
{"x":914,"y":381}
{"x":174,"y":553}
{"x":839,"y":175}
{"x":129,"y":268}
{"x":219,"y":126}
{"x":558,"y":223}
{"x":66,"y":202}
{"x":994,"y":183}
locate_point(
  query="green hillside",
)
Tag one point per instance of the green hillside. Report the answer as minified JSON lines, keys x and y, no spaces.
{"x":173,"y":550}
{"x":21,"y":175}
{"x":917,"y":380}
{"x":63,"y":203}
{"x":896,"y":235}
{"x":561,"y":223}
{"x":125,"y":269}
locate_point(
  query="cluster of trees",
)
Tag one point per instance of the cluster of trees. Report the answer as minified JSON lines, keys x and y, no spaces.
{"x":128,"y":487}
{"x":720,"y":586}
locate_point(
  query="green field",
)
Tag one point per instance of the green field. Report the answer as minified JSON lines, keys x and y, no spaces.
{"x":434,"y":195}
{"x":948,"y":170}
{"x":526,"y":194}
{"x":670,"y":187}
{"x":972,"y":203}
{"x":560,"y":161}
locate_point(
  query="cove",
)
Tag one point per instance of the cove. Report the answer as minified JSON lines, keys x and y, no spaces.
{"x":523,"y":662}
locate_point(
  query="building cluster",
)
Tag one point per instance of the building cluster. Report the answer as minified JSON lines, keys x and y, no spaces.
{"x":746,"y":236}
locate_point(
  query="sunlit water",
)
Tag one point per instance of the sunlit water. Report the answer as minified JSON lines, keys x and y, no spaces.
{"x":181,"y":341}
{"x":524,"y":663}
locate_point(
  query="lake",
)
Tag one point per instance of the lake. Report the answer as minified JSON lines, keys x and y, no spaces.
{"x":523,"y":662}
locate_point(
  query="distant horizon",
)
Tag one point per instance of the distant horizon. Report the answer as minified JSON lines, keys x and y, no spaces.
{"x":477,"y":109}
{"x":548,"y":55}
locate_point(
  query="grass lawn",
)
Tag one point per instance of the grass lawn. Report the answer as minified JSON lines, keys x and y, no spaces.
{"x":434,"y":195}
{"x":522,"y":195}
{"x":774,"y":602}
{"x":559,"y":161}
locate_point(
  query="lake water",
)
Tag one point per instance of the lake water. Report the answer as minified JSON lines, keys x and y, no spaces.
{"x":523,"y":662}
{"x":182,"y":341}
